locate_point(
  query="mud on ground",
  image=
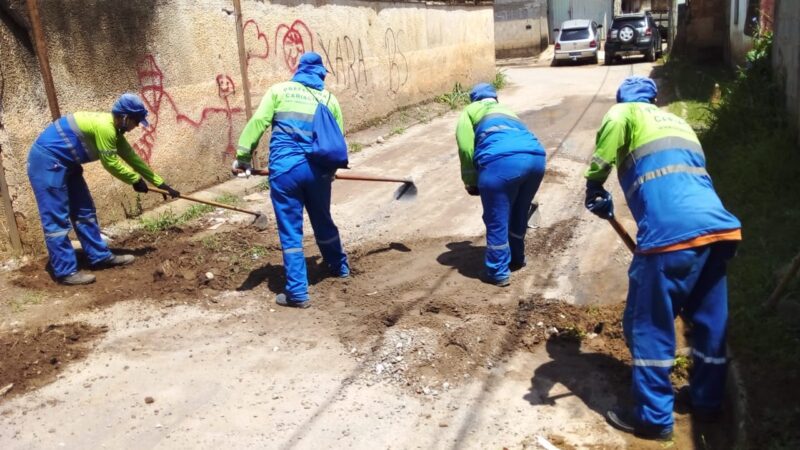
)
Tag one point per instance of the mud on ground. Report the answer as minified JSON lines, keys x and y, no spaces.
{"x":414,"y":313}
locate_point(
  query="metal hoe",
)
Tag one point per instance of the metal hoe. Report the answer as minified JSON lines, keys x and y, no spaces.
{"x":408,"y":190}
{"x":260,"y":221}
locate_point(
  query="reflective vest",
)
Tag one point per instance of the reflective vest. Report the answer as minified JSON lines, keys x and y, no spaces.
{"x":662,"y":171}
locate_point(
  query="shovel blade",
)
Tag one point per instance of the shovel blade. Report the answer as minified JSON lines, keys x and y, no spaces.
{"x":533,"y":215}
{"x":260,"y":222}
{"x":406,"y":191}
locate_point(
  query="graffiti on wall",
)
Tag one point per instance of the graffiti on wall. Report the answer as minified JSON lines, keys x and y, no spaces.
{"x":398,"y":64}
{"x":347,"y":66}
{"x":262,"y":49}
{"x":295,"y":40}
{"x":151,"y":88}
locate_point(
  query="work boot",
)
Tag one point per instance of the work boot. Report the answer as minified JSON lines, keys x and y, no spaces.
{"x":116,"y":260}
{"x":624,"y":421}
{"x":284,"y":300}
{"x":344,"y":272}
{"x":77,"y":278}
{"x":515,"y":266}
{"x":683,"y":403}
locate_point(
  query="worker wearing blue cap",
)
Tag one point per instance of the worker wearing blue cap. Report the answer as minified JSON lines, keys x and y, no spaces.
{"x":685,"y":239}
{"x":56,"y":175}
{"x":295,"y":182}
{"x":503,"y":162}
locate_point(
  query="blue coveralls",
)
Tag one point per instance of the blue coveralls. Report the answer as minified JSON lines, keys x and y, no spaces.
{"x":691,"y":283}
{"x":296,"y":183}
{"x":507,"y":186}
{"x":510,"y":165}
{"x":672,"y":198}
{"x":63,"y":198}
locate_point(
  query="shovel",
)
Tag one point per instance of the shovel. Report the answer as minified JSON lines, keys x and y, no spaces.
{"x":623,"y":234}
{"x":260,"y":221}
{"x":407,"y":191}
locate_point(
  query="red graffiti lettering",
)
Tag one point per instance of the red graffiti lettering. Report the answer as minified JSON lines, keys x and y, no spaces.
{"x":293,"y":42}
{"x":261,"y":39}
{"x":152,"y":89}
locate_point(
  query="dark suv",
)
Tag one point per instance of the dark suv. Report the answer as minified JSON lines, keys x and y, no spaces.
{"x":633,"y":34}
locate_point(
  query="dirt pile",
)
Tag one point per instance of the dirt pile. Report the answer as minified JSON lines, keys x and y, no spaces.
{"x":33,"y":358}
{"x":175,"y":264}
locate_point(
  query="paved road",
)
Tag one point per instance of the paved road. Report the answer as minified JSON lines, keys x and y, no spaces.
{"x":248,"y":377}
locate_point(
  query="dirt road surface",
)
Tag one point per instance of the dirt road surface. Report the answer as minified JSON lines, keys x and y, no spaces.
{"x":413,"y":351}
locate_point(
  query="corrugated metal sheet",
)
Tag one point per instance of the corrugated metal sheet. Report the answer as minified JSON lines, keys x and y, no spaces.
{"x":601,"y":11}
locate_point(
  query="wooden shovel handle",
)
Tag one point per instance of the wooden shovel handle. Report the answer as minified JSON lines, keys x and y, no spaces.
{"x":207,"y":202}
{"x":265,"y":172}
{"x":623,"y":234}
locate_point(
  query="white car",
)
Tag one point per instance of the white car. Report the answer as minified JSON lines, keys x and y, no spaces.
{"x":577,"y":40}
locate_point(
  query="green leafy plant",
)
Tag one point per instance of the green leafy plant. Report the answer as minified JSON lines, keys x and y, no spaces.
{"x":355,"y":147}
{"x":500,"y":79}
{"x":228,"y":199}
{"x":456,"y":98}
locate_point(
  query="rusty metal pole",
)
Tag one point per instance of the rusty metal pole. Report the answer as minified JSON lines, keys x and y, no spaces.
{"x":248,"y":107}
{"x":44,"y":63}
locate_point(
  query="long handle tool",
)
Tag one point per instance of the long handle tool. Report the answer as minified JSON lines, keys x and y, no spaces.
{"x":623,"y":234}
{"x":408,"y":190}
{"x":260,"y":220}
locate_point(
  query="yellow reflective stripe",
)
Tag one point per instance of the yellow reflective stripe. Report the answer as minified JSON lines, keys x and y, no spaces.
{"x":660,"y":145}
{"x":653,"y":174}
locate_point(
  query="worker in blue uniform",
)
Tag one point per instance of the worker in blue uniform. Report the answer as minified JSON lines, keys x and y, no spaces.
{"x":504,"y":163}
{"x":56,"y":175}
{"x":684,"y":241}
{"x":295,"y":183}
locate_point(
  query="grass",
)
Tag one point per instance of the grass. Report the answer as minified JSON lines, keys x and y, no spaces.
{"x":20,"y":303}
{"x":397,"y":131}
{"x":456,"y":98}
{"x":169,"y":219}
{"x":753,"y":158}
{"x":500,"y":79}
{"x":355,"y":147}
{"x":459,"y":96}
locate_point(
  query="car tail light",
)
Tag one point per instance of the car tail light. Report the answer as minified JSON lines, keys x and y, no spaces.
{"x":558,"y":46}
{"x":648,"y":32}
{"x":593,"y":44}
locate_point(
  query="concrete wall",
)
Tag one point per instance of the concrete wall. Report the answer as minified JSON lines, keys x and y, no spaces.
{"x":703,"y":35}
{"x":520,"y":27}
{"x":738,"y":43}
{"x":786,"y":53}
{"x":181,"y":56}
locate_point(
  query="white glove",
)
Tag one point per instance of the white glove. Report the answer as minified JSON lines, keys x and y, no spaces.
{"x":241,"y":166}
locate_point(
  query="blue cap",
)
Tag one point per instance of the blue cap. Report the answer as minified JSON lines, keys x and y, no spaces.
{"x":482,"y":91}
{"x":130,"y":104}
{"x":637,"y":89}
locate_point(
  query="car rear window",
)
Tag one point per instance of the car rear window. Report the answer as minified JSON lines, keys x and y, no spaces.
{"x":634,"y":22}
{"x":574,"y":34}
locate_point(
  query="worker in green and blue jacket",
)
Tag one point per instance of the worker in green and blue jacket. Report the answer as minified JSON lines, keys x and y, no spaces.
{"x":295,"y":182}
{"x":684,"y":241}
{"x":56,"y":175}
{"x":504,"y":163}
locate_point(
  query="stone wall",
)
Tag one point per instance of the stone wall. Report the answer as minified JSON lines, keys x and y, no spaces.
{"x":520,"y":27}
{"x":182,"y":57}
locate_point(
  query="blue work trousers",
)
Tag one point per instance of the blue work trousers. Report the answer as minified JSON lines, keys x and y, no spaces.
{"x":309,"y":186}
{"x":691,"y":283}
{"x":507,"y":186}
{"x":64,"y":202}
